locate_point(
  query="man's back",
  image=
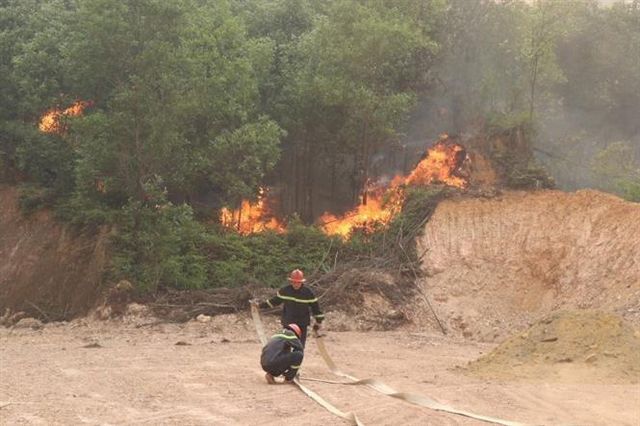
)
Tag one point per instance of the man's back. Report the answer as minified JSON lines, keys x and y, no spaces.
{"x":283,"y":342}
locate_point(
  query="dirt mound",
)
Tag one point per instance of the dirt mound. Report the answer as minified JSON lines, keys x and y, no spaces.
{"x":496,"y":265}
{"x":570,"y":346}
{"x":47,"y":270}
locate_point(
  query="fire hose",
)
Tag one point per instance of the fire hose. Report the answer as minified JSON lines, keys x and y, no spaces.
{"x":350,"y":417}
{"x":374,"y":384}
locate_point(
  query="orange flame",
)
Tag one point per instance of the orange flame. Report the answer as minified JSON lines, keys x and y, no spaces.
{"x":440,"y":164}
{"x":363,"y":216}
{"x":380,"y":207}
{"x":51,"y":121}
{"x":252,"y":217}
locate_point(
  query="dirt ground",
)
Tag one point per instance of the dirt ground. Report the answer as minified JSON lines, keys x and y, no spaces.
{"x":132,"y":371}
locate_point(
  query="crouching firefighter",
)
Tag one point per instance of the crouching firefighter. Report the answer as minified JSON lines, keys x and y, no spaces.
{"x":282,"y":355}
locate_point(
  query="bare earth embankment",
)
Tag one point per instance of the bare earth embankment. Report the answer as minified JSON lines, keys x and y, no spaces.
{"x":495,"y":266}
{"x":46,"y":269}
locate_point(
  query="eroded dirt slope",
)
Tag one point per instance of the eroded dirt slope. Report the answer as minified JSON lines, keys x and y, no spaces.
{"x":496,"y":265}
{"x":46,"y":269}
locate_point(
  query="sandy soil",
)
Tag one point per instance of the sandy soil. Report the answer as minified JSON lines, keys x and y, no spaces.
{"x":138,"y":375}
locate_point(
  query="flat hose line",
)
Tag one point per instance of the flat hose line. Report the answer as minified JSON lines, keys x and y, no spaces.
{"x":374,"y":384}
{"x":350,"y":417}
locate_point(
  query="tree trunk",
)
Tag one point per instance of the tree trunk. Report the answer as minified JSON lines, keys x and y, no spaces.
{"x":365,"y":163}
{"x":297,"y":174}
{"x":309,"y":181}
{"x":139,"y":160}
{"x":334,"y":158}
{"x":532,"y":92}
{"x":355,"y":187}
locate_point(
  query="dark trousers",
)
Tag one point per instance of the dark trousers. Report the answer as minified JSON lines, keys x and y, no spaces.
{"x":303,"y":337}
{"x":286,"y":364}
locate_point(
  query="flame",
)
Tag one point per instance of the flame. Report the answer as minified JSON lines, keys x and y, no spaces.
{"x":252,"y":217}
{"x":363,"y":216}
{"x":439,"y":165}
{"x":381,"y":202}
{"x":51,"y":121}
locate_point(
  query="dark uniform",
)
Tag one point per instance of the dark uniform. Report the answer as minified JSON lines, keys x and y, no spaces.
{"x":297,"y":304}
{"x":282,"y":355}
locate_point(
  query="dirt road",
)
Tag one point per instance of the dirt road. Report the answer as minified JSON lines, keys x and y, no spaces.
{"x":133,"y":372}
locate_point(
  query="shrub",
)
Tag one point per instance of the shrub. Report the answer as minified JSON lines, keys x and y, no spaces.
{"x":618,"y":170}
{"x":159,"y":245}
{"x":268,"y":257}
{"x":34,"y":197}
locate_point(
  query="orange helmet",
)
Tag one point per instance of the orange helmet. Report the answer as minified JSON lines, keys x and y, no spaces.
{"x":297,"y":276}
{"x":295,"y":328}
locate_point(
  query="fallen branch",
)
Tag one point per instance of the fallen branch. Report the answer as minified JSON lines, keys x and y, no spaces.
{"x":426,"y":299}
{"x":191,"y":305}
{"x":323,"y":259}
{"x":40,"y":310}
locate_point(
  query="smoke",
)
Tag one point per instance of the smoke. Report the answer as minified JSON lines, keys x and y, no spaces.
{"x":587,"y":92}
{"x":568,"y":144}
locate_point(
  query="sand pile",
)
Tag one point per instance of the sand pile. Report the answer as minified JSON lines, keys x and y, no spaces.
{"x":570,"y":346}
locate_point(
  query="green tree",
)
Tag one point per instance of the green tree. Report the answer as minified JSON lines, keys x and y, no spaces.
{"x":242,"y":157}
{"x":599,"y":99}
{"x":32,"y":34}
{"x":166,"y":99}
{"x":175,"y":91}
{"x":499,"y":57}
{"x":617,"y":169}
{"x":159,"y":244}
{"x":278,"y":25}
{"x":351,"y":92}
{"x":600,"y":58}
{"x":480,"y":66}
{"x":546,"y":24}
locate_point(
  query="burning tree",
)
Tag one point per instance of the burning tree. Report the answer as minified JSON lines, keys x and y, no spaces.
{"x":441,"y":164}
{"x":252,"y":217}
{"x":53,"y":120}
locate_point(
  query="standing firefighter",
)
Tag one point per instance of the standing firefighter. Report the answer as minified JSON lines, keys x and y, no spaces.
{"x":282,"y":355}
{"x":298,"y":300}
